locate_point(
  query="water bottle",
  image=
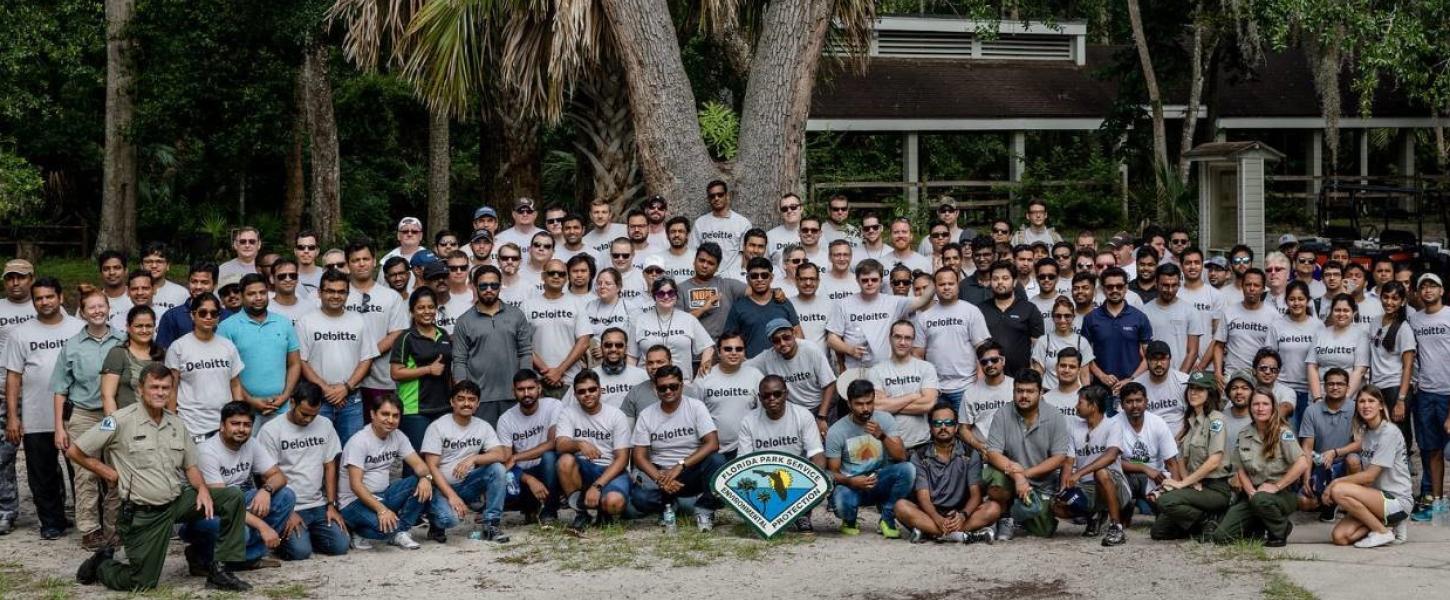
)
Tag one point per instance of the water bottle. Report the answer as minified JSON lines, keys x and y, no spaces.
{"x":513,"y":483}
{"x":669,"y":518}
{"x":1442,"y":513}
{"x":476,"y":535}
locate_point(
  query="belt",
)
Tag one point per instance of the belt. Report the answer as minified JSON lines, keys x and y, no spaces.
{"x":146,"y":508}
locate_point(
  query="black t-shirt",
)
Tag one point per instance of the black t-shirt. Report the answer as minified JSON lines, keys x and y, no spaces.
{"x":1014,"y":329}
{"x":429,"y":394}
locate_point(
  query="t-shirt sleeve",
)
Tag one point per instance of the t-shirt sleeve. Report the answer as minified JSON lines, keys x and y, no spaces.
{"x":397,"y":317}
{"x":401,"y":444}
{"x":921,"y":483}
{"x":836,"y":321}
{"x":825,"y":375}
{"x":368,"y":344}
{"x":703,"y":422}
{"x":887,"y":423}
{"x":236,"y":357}
{"x":1221,"y":334}
{"x":210,"y":468}
{"x":14,"y":359}
{"x":354,"y":454}
{"x":293,"y":344}
{"x":1306,"y":424}
{"x":432,"y":444}
{"x":977,"y":328}
{"x":334,"y":446}
{"x":1039,"y":353}
{"x":1388,"y":451}
{"x":115,"y":363}
{"x":173,"y":357}
{"x":262,"y":460}
{"x":1035,"y":328}
{"x":997,"y":434}
{"x":835,"y":442}
{"x":304,"y":349}
{"x":699,"y":337}
{"x":399,"y":351}
{"x":810,"y":435}
{"x":929,"y":378}
{"x":1405,"y":339}
{"x":1061,"y":441}
{"x":641,"y":434}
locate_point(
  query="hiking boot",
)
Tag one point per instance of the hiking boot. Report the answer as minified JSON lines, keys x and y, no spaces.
{"x":804,"y":525}
{"x":89,"y":571}
{"x":95,"y":540}
{"x":1005,"y":526}
{"x":983,"y":535}
{"x":437,"y":534}
{"x":581,"y":521}
{"x":221,"y":579}
{"x":1115,"y":535}
{"x":1279,"y":542}
{"x":404,"y":540}
{"x":1094,"y":526}
{"x":261,"y":563}
{"x":195,"y":566}
{"x":491,"y":533}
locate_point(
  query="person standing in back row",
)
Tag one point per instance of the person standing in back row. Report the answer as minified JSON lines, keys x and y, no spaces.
{"x":722,"y":226}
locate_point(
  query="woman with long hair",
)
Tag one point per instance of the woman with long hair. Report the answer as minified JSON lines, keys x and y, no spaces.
{"x":208,"y":368}
{"x":1377,"y":500}
{"x":1187,"y":503}
{"x":1267,"y":461}
{"x":1062,"y":335}
{"x":121,"y":371}
{"x":1392,"y":356}
{"x":1292,"y":336}
{"x":676,"y":329}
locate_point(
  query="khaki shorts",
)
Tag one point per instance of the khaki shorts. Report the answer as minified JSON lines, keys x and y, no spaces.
{"x":1043,"y":525}
{"x":1120,"y":483}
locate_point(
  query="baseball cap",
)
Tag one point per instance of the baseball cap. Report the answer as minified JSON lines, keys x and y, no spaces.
{"x":1075,"y":501}
{"x":1217,"y":261}
{"x":435,"y":270}
{"x":774,"y":325}
{"x":484,"y":211}
{"x":946,"y":202}
{"x":1119,"y":241}
{"x":1157,"y":348}
{"x":422,"y":257}
{"x":19,"y":266}
{"x":1431,"y":277}
{"x":481,"y":234}
{"x":229,"y":280}
{"x":1202,"y":379}
{"x":657,"y":199}
{"x":1286,"y":239}
{"x":654,"y":261}
{"x":1243,"y":374}
{"x":523,"y":203}
{"x":409,"y":221}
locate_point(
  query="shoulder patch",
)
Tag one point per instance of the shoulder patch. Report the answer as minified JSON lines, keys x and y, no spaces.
{"x":1215,"y":425}
{"x":108,"y":424}
{"x":1287,"y":435}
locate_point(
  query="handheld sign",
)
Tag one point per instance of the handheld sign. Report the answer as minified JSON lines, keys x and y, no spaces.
{"x":770,"y":489}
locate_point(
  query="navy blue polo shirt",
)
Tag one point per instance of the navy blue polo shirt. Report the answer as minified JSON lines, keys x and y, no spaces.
{"x":1116,"y":340}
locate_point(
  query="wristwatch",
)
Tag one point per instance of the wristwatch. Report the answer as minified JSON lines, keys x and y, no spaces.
{"x":267,"y":487}
{"x":429,"y":477}
{"x":681,"y":464}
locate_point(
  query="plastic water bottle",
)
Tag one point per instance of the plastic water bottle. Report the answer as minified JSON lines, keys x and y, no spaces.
{"x":669,"y":518}
{"x":1441,"y":517}
{"x":476,"y":535}
{"x":513,"y":483}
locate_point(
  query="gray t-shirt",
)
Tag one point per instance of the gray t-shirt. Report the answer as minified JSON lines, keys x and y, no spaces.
{"x":1294,"y":340}
{"x":858,"y":451}
{"x":1173,"y":324}
{"x":1384,"y":447}
{"x":729,"y":396}
{"x":795,"y":432}
{"x":1432,"y":334}
{"x":1330,"y":429}
{"x":219,"y":464}
{"x":949,"y":483}
{"x":1385,"y":366}
{"x":453,"y":443}
{"x":608,"y":430}
{"x":1029,"y":446}
{"x":673,"y":437}
{"x":1243,"y":332}
{"x":806,"y":374}
{"x":31,"y":351}
{"x":898,"y":379}
{"x":375,"y":456}
{"x":694,"y":295}
{"x":302,"y":453}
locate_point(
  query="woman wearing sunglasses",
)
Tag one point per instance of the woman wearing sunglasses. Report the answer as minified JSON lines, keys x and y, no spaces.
{"x":1045,"y":349}
{"x":208,"y":367}
{"x":677,"y":330}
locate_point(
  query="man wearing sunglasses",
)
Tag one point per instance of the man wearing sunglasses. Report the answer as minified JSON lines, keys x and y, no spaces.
{"x":449,"y":280}
{"x":811,"y":235}
{"x":288,"y":298}
{"x":728,"y":390}
{"x":859,"y":328}
{"x":760,"y":307}
{"x":523,"y":229}
{"x":676,"y":451}
{"x":480,"y":248}
{"x":491,"y":343}
{"x":946,"y":504}
{"x":947,"y":214}
{"x":561,"y":331}
{"x":722,"y":226}
{"x":593,"y":441}
{"x":617,"y":377}
{"x":789,"y":230}
{"x":1047,"y":287}
{"x":305,"y":248}
{"x":781,"y":426}
{"x":657,"y":210}
{"x":246,"y":244}
{"x":808,"y":376}
{"x":410,"y":240}
{"x":837,"y":225}
{"x":866,"y":460}
{"x":1240,"y":260}
{"x":1117,"y":332}
{"x":872,"y":245}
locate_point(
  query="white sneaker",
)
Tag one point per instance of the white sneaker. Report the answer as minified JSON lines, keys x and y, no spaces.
{"x":1375,"y":539}
{"x":361,"y":543}
{"x":955,"y":537}
{"x":1005,"y":526}
{"x":402,"y":540}
{"x":1402,"y":532}
{"x":705,"y":520}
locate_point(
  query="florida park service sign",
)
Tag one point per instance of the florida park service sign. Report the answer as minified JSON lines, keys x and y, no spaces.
{"x":770,"y":489}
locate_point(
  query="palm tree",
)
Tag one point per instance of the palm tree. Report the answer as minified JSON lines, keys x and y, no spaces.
{"x":745,"y":486}
{"x":764,"y":498}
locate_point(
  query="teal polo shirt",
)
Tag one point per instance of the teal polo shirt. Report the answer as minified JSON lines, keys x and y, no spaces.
{"x":263,"y":346}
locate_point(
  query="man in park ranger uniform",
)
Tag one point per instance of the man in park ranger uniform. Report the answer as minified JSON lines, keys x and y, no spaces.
{"x":147,"y":448}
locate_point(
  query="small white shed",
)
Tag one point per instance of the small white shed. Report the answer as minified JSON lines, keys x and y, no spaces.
{"x":1231,"y":194}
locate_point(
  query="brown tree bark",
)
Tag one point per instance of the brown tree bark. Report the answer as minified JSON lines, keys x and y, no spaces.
{"x":520,"y":165}
{"x":326,"y":205}
{"x":440,"y":164}
{"x":1155,"y":101}
{"x":118,"y":192}
{"x":294,"y":192}
{"x":1205,"y":40}
{"x":605,"y":143}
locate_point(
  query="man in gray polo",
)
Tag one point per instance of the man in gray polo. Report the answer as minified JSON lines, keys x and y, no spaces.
{"x":1026,"y":449}
{"x":1325,"y":434}
{"x":491,"y":343}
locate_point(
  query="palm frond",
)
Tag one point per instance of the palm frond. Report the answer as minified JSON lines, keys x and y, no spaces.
{"x":447,"y":50}
{"x":372,"y":28}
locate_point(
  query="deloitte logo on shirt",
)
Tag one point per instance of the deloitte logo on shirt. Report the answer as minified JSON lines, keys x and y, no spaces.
{"x":770,"y":489}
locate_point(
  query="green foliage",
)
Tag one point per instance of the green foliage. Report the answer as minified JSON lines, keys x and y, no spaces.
{"x":965,"y":156}
{"x":720,"y":127}
{"x":1091,"y":200}
{"x":20,"y":188}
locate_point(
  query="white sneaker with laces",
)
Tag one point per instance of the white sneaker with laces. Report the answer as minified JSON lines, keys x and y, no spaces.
{"x":403,"y":540}
{"x":361,"y":543}
{"x":704,"y":520}
{"x":1402,"y":532}
{"x":1375,"y":539}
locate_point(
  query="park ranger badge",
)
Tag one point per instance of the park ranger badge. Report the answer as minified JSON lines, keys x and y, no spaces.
{"x":770,"y":489}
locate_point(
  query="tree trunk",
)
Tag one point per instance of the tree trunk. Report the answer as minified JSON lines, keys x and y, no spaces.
{"x":1155,"y":101}
{"x":440,"y":163}
{"x":672,"y":154}
{"x":118,"y":193}
{"x":294,"y":193}
{"x":606,"y":142}
{"x":322,"y":130}
{"x":490,"y":157}
{"x":777,"y":103}
{"x":1203,"y":48}
{"x":520,"y":170}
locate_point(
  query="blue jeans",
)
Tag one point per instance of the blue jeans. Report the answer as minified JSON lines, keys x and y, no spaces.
{"x":316,"y":535}
{"x":489,"y":482}
{"x":952,"y":399}
{"x":414,"y":427}
{"x":1301,"y":404}
{"x":1430,"y":413}
{"x":362,"y":521}
{"x":893,"y":482}
{"x":647,"y":498}
{"x":546,"y":472}
{"x":202,"y":533}
{"x":346,"y":419}
{"x":590,"y":472}
{"x":1321,"y":476}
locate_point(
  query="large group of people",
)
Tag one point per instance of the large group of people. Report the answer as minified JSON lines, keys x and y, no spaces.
{"x":968,"y":387}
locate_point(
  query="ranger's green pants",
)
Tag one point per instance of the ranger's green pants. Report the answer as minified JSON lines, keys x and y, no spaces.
{"x":1267,"y":512}
{"x":146,"y":531}
{"x":1182,"y":511}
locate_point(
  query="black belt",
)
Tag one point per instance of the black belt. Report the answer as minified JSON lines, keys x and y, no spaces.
{"x":146,"y":508}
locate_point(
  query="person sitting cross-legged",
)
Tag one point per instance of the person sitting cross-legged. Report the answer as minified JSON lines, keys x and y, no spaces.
{"x":465,"y":457}
{"x":948,"y":504}
{"x":867,"y":461}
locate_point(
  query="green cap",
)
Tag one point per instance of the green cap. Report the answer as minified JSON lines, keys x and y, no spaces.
{"x":1203,"y":379}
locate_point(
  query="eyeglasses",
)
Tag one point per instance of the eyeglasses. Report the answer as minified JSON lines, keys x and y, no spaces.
{"x":1115,"y":286}
{"x":1062,"y":256}
{"x":773,"y":394}
{"x":943,"y":422}
{"x":1336,"y":384}
{"x":990,"y":360}
{"x":785,"y":208}
{"x":714,"y":195}
{"x":1178,"y":242}
{"x":411,"y":231}
{"x":580,"y":391}
{"x":999,"y":230}
{"x":796,"y":261}
{"x":810,"y":230}
{"x":876,"y":227}
{"x":621,"y":255}
{"x":490,"y":286}
{"x":336,"y":265}
{"x":1268,"y":369}
{"x":559,"y":221}
{"x":759,"y":276}
{"x":306,"y":247}
{"x":840,"y":208}
{"x":667,"y":387}
{"x":1274,"y":269}
{"x":939,"y":235}
{"x":458,"y":268}
{"x":732,"y":348}
{"x":1304,"y":261}
{"x":449,"y":244}
{"x":612,"y":345}
{"x":1047,"y":275}
{"x":502,"y":258}
{"x":207,"y":314}
{"x":654,"y":271}
{"x":543,"y":246}
{"x":896,"y":282}
{"x":555,"y":274}
{"x":1062,"y":317}
{"x":664,"y":294}
{"x":285,"y":276}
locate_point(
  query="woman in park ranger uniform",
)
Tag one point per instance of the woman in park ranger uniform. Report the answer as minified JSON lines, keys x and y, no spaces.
{"x":1204,"y":491}
{"x":1267,"y":461}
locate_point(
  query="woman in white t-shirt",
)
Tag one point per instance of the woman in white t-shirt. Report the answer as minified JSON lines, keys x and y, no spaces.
{"x":678,"y":330}
{"x":1292,"y":336}
{"x":1392,"y":355}
{"x":1045,"y":349}
{"x":1339,"y":343}
{"x":607,"y":309}
{"x":208,"y":367}
{"x":374,"y":507}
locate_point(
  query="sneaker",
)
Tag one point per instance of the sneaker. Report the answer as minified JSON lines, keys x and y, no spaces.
{"x":89,"y":572}
{"x":983,"y":535}
{"x":437,"y":534}
{"x":1375,"y":539}
{"x":1328,"y":513}
{"x":1115,"y":535}
{"x":580,"y":523}
{"x":51,"y":533}
{"x":548,"y":518}
{"x":1424,"y":509}
{"x":916,"y":537}
{"x":955,"y":537}
{"x":576,"y":501}
{"x":705,"y":521}
{"x":804,"y":525}
{"x":850,"y":528}
{"x":265,"y":562}
{"x":94,"y":540}
{"x":403,"y":540}
{"x":7,"y":524}
{"x":1004,"y":528}
{"x":221,"y":579}
{"x":889,"y":531}
{"x":1094,"y":526}
{"x":1402,"y":532}
{"x":490,"y":532}
{"x":1280,"y":542}
{"x":361,"y":543}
